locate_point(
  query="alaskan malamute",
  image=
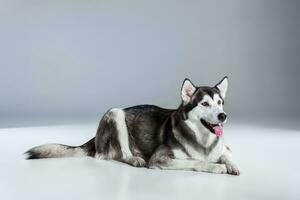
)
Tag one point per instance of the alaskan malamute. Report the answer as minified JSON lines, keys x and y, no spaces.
{"x":186,"y":138}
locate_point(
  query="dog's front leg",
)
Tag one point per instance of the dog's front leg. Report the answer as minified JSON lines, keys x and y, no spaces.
{"x":192,"y":165}
{"x":226,"y":159}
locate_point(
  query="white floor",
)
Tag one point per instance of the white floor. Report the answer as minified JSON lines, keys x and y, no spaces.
{"x":268,"y":160}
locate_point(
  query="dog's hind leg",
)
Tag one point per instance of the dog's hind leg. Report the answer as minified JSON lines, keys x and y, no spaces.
{"x":112,"y":140}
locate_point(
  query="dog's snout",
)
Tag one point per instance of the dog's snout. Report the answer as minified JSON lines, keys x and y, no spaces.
{"x":222,"y":117}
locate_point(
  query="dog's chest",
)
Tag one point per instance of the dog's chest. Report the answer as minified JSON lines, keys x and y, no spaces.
{"x":207,"y":147}
{"x":202,"y":154}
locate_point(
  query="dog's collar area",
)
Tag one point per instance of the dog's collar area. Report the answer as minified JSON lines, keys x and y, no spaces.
{"x":216,"y":129}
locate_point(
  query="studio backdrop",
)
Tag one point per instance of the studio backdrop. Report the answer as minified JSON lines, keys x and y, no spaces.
{"x":76,"y":59}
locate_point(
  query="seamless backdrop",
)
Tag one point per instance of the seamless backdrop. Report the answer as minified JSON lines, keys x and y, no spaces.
{"x":75,"y":59}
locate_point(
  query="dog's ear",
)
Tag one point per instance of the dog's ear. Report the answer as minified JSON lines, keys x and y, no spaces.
{"x":222,"y":86}
{"x":187,"y":90}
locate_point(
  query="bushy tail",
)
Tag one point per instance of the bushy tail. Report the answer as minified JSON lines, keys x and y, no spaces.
{"x":61,"y":150}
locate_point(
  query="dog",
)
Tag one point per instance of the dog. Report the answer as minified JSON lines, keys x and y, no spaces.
{"x":187,"y":138}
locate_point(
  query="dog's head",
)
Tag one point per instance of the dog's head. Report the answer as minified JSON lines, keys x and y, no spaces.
{"x":205,"y":105}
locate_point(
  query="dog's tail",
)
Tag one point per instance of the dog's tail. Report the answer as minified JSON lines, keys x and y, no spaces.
{"x":61,"y":150}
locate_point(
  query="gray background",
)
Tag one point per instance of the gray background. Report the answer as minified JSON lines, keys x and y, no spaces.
{"x":68,"y":60}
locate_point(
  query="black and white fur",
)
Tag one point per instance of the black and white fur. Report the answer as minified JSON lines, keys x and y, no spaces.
{"x":154,"y":137}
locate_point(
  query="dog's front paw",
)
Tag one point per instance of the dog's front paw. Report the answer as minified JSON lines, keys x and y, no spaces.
{"x":232,"y":169}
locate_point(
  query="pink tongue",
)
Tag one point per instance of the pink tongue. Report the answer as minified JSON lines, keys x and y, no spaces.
{"x":218,"y":130}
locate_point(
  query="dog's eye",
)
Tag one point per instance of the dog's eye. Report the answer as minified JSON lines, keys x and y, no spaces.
{"x":219,"y":102}
{"x":205,"y":104}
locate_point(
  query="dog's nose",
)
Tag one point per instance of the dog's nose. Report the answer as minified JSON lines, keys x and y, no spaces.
{"x":222,"y":117}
